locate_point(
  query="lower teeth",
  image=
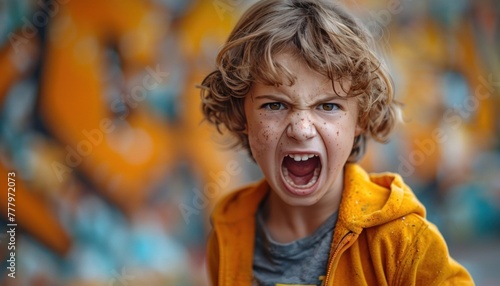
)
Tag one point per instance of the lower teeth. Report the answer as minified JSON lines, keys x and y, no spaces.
{"x":310,"y":184}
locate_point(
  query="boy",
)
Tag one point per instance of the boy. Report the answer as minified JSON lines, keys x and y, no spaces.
{"x":299,"y":86}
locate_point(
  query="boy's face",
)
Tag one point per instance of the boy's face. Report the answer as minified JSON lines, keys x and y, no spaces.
{"x":301,"y":135}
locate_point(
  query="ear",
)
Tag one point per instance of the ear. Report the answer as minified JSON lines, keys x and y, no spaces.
{"x":358,"y":130}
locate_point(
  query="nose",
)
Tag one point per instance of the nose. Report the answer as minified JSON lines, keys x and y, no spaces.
{"x":301,"y":126}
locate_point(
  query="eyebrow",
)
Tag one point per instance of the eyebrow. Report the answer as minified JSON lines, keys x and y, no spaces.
{"x":316,"y":102}
{"x":271,"y":97}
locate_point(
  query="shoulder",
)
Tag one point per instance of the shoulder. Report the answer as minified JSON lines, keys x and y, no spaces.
{"x":411,"y":249}
{"x":240,"y":203}
{"x":400,"y":233}
{"x":389,"y":244}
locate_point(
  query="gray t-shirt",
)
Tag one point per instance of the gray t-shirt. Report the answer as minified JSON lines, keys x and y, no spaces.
{"x":303,"y":261}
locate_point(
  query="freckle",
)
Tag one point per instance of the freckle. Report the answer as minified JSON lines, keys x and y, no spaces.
{"x":324,"y":123}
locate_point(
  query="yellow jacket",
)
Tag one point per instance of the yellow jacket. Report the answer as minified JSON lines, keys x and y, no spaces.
{"x":381,"y":237}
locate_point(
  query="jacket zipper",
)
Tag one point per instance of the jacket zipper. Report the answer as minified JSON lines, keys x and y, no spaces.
{"x":334,"y":260}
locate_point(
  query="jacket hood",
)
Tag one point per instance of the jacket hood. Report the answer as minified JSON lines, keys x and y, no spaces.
{"x":367,"y":200}
{"x":374,"y":199}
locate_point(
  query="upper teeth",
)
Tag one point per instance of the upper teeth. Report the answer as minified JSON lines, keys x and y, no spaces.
{"x":301,"y":157}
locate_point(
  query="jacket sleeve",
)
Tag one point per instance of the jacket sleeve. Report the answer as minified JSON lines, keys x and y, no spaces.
{"x":213,"y":258}
{"x":427,"y":262}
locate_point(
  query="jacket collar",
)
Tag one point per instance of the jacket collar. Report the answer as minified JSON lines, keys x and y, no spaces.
{"x":242,"y":204}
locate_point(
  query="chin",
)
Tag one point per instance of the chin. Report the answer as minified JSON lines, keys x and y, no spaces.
{"x":294,"y":196}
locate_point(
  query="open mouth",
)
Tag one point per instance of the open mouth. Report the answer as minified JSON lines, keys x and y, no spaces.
{"x":301,"y":170}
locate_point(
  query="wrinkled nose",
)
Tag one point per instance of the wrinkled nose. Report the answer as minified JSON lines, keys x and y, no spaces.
{"x":301,"y":127}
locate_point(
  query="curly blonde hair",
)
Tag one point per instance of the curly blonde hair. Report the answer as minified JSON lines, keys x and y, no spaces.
{"x":330,"y":41}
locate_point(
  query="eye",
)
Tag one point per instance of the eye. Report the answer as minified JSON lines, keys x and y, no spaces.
{"x":274,"y":106}
{"x":328,"y":106}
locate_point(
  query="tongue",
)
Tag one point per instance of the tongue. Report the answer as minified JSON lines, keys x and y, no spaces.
{"x":301,"y":172}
